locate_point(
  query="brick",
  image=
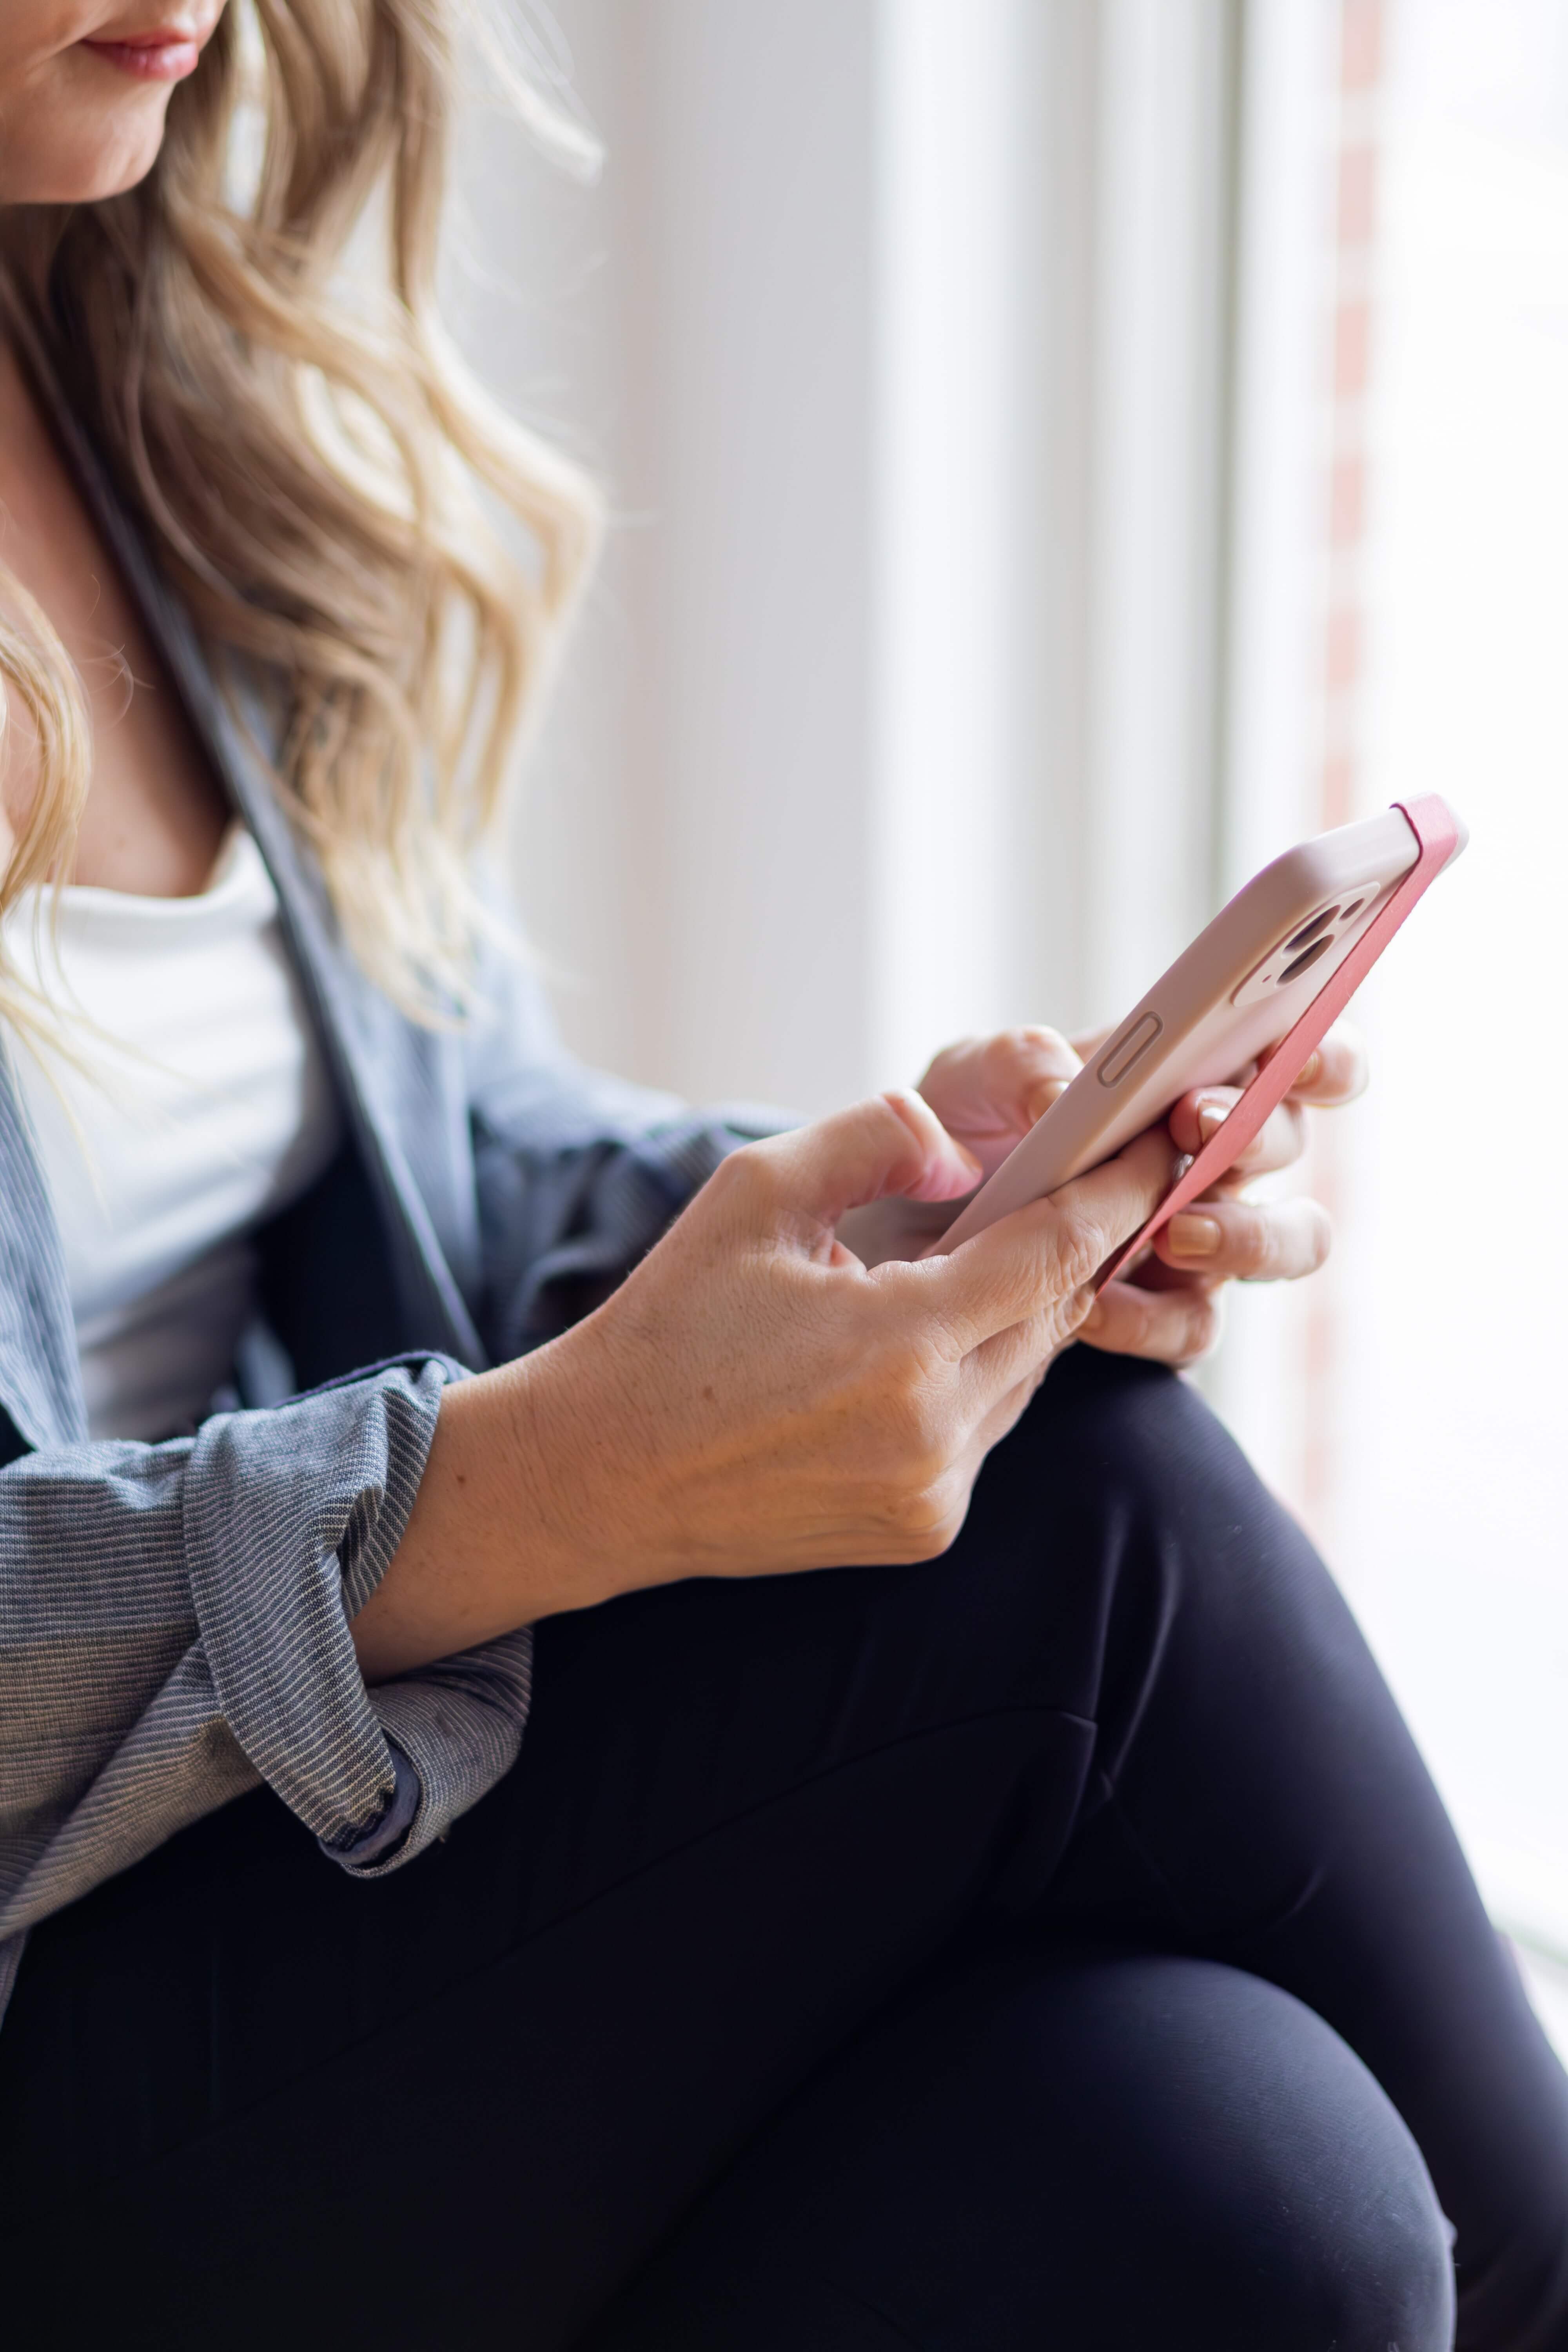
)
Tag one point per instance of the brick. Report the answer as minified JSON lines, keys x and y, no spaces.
{"x":1360,"y":45}
{"x":1342,"y":649}
{"x":1357,"y":197}
{"x":1337,"y":792}
{"x":1352,"y":347}
{"x":1347,"y":501}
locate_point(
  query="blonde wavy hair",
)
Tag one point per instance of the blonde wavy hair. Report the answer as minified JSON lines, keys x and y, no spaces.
{"x":308,"y":469}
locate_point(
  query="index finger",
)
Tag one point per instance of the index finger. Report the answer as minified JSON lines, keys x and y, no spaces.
{"x":1050,"y":1252}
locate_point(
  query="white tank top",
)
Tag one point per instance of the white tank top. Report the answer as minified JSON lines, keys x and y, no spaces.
{"x":202,"y":1104}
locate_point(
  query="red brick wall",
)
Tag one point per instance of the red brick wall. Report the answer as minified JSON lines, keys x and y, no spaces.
{"x":1350,"y":357}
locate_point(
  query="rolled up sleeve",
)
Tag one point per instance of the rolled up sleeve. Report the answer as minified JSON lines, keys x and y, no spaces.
{"x":175,"y":1629}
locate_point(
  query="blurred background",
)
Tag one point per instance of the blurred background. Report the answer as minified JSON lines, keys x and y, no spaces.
{"x":1062,"y":451}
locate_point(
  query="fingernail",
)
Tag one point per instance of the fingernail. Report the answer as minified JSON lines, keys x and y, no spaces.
{"x":1094,"y":1318}
{"x":1311,"y":1069}
{"x":1194,"y":1236}
{"x":1211,"y":1116}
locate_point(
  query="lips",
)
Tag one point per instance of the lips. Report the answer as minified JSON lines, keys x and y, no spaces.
{"x":168,"y":53}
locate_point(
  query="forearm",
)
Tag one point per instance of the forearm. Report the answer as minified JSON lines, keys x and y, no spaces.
{"x":174,"y":1625}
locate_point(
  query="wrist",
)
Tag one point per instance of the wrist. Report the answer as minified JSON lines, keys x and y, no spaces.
{"x":518,"y":1515}
{"x":560,"y":1443}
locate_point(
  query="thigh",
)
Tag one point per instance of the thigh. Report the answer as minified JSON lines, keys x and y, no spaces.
{"x":496,"y":2162}
{"x":1128,"y":1701}
{"x":672,"y":1723}
{"x":1104,"y":2152}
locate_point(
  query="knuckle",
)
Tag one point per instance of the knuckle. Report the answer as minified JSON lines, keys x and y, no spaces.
{"x":913,"y":1447}
{"x":1006,"y":1065}
{"x":1124,"y":1318}
{"x":905,"y":1117}
{"x":906,"y":1105}
{"x":1080,"y":1252}
{"x":928,"y":1521}
{"x":729,"y":1175}
{"x":1206,"y":1326}
{"x":1034,"y":1047}
{"x":1145,"y":1313}
{"x":1253,"y":1243}
{"x":747,"y":1177}
{"x":922,"y":1462}
{"x":1149,"y":1332}
{"x":951,"y":1057}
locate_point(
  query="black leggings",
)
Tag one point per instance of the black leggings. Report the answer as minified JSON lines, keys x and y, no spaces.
{"x":1059,"y":1948}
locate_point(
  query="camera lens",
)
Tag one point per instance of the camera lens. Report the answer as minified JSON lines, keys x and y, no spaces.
{"x":1305,"y":962}
{"x":1309,"y":931}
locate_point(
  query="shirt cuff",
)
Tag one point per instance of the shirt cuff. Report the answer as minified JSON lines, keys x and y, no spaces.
{"x":380,"y":1839}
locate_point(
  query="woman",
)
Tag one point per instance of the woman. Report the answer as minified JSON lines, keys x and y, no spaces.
{"x":1036,"y":1927}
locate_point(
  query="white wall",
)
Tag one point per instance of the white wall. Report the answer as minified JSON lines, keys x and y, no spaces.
{"x":1456,"y":1544}
{"x":1274,"y":710}
{"x":692,"y":850}
{"x":894,"y":325}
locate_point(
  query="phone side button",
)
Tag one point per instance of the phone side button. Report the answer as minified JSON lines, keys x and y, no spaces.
{"x":1124,"y":1052}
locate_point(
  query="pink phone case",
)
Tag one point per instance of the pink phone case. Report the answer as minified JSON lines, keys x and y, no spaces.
{"x":1438,"y":835}
{"x":1337,"y":900}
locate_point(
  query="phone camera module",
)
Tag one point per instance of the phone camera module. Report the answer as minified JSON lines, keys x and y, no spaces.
{"x":1304,"y":961}
{"x":1309,"y":931}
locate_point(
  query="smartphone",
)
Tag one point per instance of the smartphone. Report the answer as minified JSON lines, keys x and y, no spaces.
{"x":1251,"y":998}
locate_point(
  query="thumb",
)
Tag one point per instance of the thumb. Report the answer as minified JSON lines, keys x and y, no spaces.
{"x":892,"y":1144}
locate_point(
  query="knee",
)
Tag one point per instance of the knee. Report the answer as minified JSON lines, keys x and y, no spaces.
{"x":1135,"y":2151}
{"x":1364,"y":2259}
{"x":1314,"y":2223}
{"x":1269,"y":2193}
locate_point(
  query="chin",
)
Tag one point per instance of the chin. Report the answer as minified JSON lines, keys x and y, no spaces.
{"x":114,"y":180}
{"x":63,"y":156}
{"x":106,"y":169}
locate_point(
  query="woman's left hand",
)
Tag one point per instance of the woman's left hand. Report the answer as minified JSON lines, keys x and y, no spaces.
{"x":1170,"y":1303}
{"x":988,"y":1092}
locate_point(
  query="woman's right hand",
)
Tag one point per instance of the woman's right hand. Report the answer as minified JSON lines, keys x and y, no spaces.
{"x":753,"y":1399}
